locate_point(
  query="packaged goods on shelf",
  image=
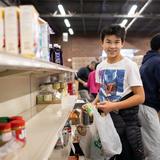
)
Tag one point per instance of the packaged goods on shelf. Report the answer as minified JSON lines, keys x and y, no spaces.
{"x":56,"y":54}
{"x":50,"y":93}
{"x":60,"y":142}
{"x":2,"y":29}
{"x":74,"y":117}
{"x":44,"y":40}
{"x":12,"y":135}
{"x":18,"y":130}
{"x":29,"y":27}
{"x":12,"y":36}
{"x":64,"y":136}
{"x":5,"y":133}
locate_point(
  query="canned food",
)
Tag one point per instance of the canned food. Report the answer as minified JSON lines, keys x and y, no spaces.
{"x":86,"y":118}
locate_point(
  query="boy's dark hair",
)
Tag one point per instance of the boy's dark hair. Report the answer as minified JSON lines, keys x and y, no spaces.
{"x":113,"y":29}
{"x":155,"y":42}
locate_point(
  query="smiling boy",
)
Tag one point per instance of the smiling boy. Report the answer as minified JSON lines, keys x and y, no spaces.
{"x":121,"y":92}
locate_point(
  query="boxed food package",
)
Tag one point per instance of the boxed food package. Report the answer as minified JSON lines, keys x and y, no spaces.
{"x":29,"y":28}
{"x":11,"y":17}
{"x":44,"y":40}
{"x":2,"y":44}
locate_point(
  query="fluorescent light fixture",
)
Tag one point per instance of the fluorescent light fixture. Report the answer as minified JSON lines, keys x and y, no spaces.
{"x":69,"y":59}
{"x":132,"y":10}
{"x":70,"y":30}
{"x":124,"y":22}
{"x":66,"y":21}
{"x":141,"y":10}
{"x":61,"y":9}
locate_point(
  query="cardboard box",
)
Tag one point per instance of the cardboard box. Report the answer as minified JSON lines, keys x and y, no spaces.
{"x":44,"y":40}
{"x":2,"y":44}
{"x":29,"y":28}
{"x":11,"y":18}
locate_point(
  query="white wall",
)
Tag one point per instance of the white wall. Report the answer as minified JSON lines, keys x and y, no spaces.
{"x":18,"y":95}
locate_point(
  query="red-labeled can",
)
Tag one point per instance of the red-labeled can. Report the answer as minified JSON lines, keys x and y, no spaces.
{"x":18,"y":130}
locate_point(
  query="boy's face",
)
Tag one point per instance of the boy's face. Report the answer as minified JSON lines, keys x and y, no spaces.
{"x":112,"y":45}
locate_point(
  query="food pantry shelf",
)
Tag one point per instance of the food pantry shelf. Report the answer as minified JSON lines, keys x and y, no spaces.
{"x":63,"y":154}
{"x":17,"y":62}
{"x":43,"y":131}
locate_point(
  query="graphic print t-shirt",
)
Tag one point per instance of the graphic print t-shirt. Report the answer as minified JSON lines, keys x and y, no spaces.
{"x":117,"y":79}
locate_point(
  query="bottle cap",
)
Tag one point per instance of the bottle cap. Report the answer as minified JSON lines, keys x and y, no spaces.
{"x":4,"y":119}
{"x":16,"y":118}
{"x":17,"y":123}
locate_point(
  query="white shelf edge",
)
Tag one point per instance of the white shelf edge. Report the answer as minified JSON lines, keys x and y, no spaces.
{"x":43,"y":131}
{"x":21,"y":63}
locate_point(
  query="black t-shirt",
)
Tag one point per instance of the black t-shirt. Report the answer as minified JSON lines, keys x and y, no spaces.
{"x":83,"y":75}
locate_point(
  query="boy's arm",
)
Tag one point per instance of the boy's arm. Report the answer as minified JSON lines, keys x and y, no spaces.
{"x":134,"y":100}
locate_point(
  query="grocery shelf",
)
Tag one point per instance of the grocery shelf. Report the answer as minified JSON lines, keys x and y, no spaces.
{"x":43,"y":130}
{"x":63,"y":154}
{"x":18,"y":62}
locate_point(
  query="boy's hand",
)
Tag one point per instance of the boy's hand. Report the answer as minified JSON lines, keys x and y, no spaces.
{"x":106,"y":106}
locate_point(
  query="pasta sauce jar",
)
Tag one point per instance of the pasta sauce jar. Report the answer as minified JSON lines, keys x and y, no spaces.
{"x":5,"y":133}
{"x":18,"y":130}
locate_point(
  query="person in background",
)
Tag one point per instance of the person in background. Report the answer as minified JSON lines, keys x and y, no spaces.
{"x":91,"y":84}
{"x":82,"y":77}
{"x":120,"y":93}
{"x":148,"y":113}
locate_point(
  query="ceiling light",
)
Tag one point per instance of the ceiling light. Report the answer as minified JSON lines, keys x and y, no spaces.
{"x":132,"y":10}
{"x":65,"y":36}
{"x":70,"y":30}
{"x":61,"y":9}
{"x":141,"y":10}
{"x":124,"y":22}
{"x":66,"y":21}
{"x":69,"y":59}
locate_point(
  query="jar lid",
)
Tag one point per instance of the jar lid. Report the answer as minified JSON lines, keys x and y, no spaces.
{"x":17,"y":123}
{"x":4,"y":119}
{"x":4,"y":126}
{"x":16,"y":118}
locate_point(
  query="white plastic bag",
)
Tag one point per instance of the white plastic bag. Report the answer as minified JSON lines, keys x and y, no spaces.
{"x":85,"y":143}
{"x":109,"y":137}
{"x":91,"y":145}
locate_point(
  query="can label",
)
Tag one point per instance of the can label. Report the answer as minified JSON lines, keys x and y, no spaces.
{"x":20,"y":134}
{"x":5,"y":137}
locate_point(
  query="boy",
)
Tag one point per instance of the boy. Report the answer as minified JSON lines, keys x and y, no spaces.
{"x":120,"y":92}
{"x":150,"y":72}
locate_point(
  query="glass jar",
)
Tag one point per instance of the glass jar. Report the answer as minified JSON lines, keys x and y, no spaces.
{"x":5,"y":133}
{"x":40,"y":98}
{"x":48,"y":97}
{"x":18,"y":130}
